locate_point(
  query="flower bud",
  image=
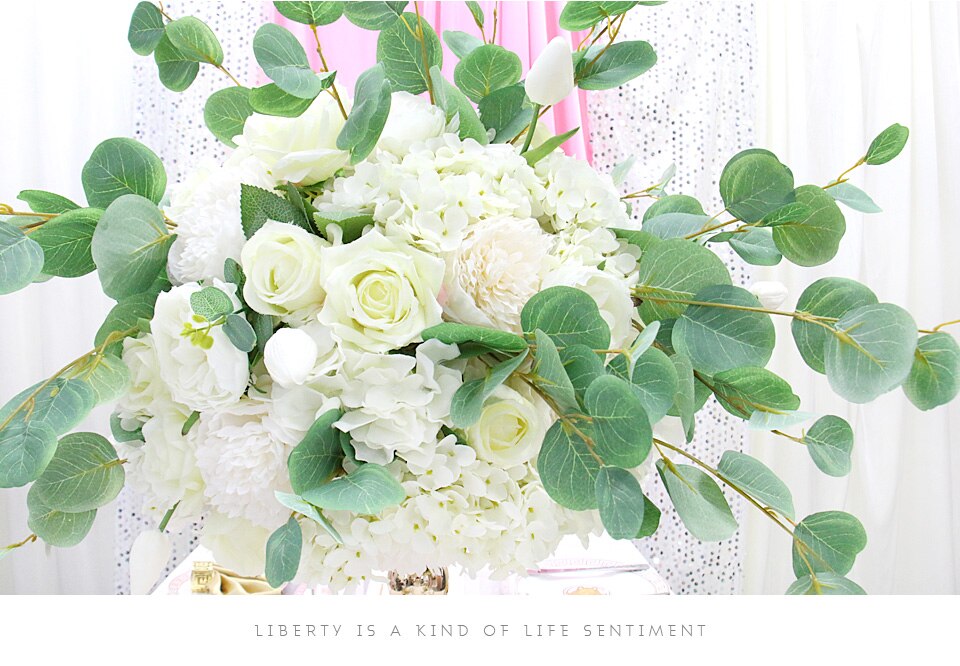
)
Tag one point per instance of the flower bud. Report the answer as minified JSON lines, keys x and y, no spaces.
{"x":770,"y":294}
{"x":148,"y":558}
{"x":550,"y":79}
{"x":290,"y":355}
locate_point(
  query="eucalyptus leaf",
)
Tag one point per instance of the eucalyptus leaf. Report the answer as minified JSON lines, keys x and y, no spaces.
{"x":318,"y":456}
{"x":550,"y":376}
{"x":403,"y":58}
{"x":672,"y":270}
{"x":272,"y":100}
{"x":195,"y":40}
{"x":368,"y":490}
{"x":368,"y":116}
{"x":61,"y":404}
{"x":26,"y":449}
{"x":934,"y":378}
{"x":754,"y":183}
{"x":620,"y":501}
{"x":211,"y":303}
{"x":240,"y":333}
{"x":118,"y":167}
{"x":125,"y":316}
{"x":46,"y":202}
{"x":226,"y":112}
{"x":675,"y":225}
{"x":374,"y":15}
{"x":486,"y":68}
{"x":699,"y":502}
{"x":311,"y":13}
{"x":283,"y":59}
{"x":66,"y":240}
{"x":84,"y":474}
{"x":853,"y":197}
{"x":827,"y":297}
{"x":755,"y":246}
{"x":146,"y":28}
{"x":584,"y":15}
{"x":506,"y":111}
{"x":654,"y":380}
{"x":651,"y":519}
{"x":175,"y":69}
{"x":108,"y":377}
{"x":466,"y":407}
{"x":758,"y":480}
{"x":831,"y":539}
{"x":622,"y":170}
{"x":454,"y":334}
{"x":814,"y":239}
{"x":621,"y":430}
{"x":21,"y":259}
{"x":827,"y":584}
{"x":57,"y":528}
{"x":461,"y":43}
{"x":620,"y":63}
{"x":300,"y":505}
{"x":830,"y":442}
{"x":457,"y":108}
{"x":684,"y":399}
{"x":283,"y":553}
{"x":887,"y":145}
{"x":743,"y":391}
{"x":582,"y":365}
{"x":568,"y":468}
{"x":568,"y":315}
{"x":673,"y":203}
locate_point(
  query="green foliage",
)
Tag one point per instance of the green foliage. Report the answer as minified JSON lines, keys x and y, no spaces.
{"x":371,"y":107}
{"x":26,"y":449}
{"x":654,"y":380}
{"x":675,"y":269}
{"x":130,"y":246}
{"x":121,"y":434}
{"x":550,"y":375}
{"x":507,"y":111}
{"x":461,"y":43}
{"x":311,"y":13}
{"x":456,"y":334}
{"x":854,"y":198}
{"x":718,"y":338}
{"x":675,"y":225}
{"x":640,"y":239}
{"x":829,"y":442}
{"x":756,"y":246}
{"x":673,"y":203}
{"x":57,"y":528}
{"x":887,"y":145}
{"x":84,"y":474}
{"x":621,"y":502}
{"x":21,"y":259}
{"x":568,"y":468}
{"x":318,"y":455}
{"x":176,"y":71}
{"x":477,"y":12}
{"x":46,"y":202}
{"x":584,"y":15}
{"x":827,"y":297}
{"x":934,"y":378}
{"x":400,"y":53}
{"x":211,"y":303}
{"x":126,"y":315}
{"x":486,"y":68}
{"x":283,"y":553}
{"x":620,"y":63}
{"x":685,"y":397}
{"x":195,"y":40}
{"x":699,"y":501}
{"x":300,"y":505}
{"x":568,"y":315}
{"x":146,"y":28}
{"x":651,"y":519}
{"x":467,"y":403}
{"x":534,"y":155}
{"x":118,"y":167}
{"x":62,"y":404}
{"x":66,"y":240}
{"x":240,"y":333}
{"x":456,"y":105}
{"x":815,"y":238}
{"x":583,"y":366}
{"x":226,"y":112}
{"x":350,"y":221}
{"x":108,"y":377}
{"x":374,"y":15}
{"x":832,"y":541}
{"x":258,"y":205}
{"x":367,"y":490}
{"x":757,"y":480}
{"x":621,"y":430}
{"x":271,"y":100}
{"x":283,"y":59}
{"x":742,"y":391}
{"x":754,"y":183}
{"x":827,"y":584}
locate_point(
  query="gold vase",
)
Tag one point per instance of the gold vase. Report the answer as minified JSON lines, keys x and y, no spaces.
{"x":428,"y":582}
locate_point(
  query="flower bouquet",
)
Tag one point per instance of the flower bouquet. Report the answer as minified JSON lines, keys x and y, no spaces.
{"x":401,"y":329}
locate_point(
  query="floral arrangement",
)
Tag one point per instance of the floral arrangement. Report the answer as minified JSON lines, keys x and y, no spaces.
{"x":401,"y":329}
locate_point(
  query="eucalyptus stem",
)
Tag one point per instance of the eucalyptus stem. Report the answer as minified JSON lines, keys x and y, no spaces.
{"x":423,"y":47}
{"x":496,"y":21}
{"x":323,"y":63}
{"x":13,"y":546}
{"x":842,"y":177}
{"x":798,"y":440}
{"x":8,"y":210}
{"x":531,"y":129}
{"x":612,"y":36}
{"x":526,"y":129}
{"x":713,"y":227}
{"x":803,"y":316}
{"x":167,"y":516}
{"x":215,"y":65}
{"x":936,"y":328}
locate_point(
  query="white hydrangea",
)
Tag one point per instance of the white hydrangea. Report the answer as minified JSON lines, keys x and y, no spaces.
{"x":576,"y":195}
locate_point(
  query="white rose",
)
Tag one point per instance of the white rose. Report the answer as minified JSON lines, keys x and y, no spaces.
{"x":147,"y":394}
{"x":496,"y":270}
{"x":550,"y":78}
{"x":301,"y":150}
{"x":198,"y":378}
{"x":510,"y":429}
{"x":412,"y":119}
{"x":380,"y":294}
{"x":290,"y":355}
{"x":611,"y":293}
{"x":282,"y":266}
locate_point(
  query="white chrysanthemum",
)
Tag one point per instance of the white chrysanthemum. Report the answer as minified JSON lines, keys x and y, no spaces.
{"x":397,"y":403}
{"x":243,"y":462}
{"x":147,"y":394}
{"x":497,"y":269}
{"x":206,"y":209}
{"x":576,"y":195}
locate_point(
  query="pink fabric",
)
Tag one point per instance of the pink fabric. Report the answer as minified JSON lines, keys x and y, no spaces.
{"x":524,"y":27}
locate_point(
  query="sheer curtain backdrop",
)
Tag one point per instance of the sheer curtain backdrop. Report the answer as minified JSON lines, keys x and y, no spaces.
{"x":836,"y":73}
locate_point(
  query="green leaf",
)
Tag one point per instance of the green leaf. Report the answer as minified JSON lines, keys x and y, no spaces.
{"x":569,"y":316}
{"x":583,"y":366}
{"x":195,"y":40}
{"x":65,"y":240}
{"x":84,"y":474}
{"x":675,"y":269}
{"x":792,"y":212}
{"x":26,"y":449}
{"x":854,"y":198}
{"x":934,"y":378}
{"x":402,"y":57}
{"x":315,"y":459}
{"x":675,"y":225}
{"x":176,"y":71}
{"x":368,"y":490}
{"x":211,"y":303}
{"x":827,"y":297}
{"x":534,"y":155}
{"x":568,"y":469}
{"x":699,"y":502}
{"x":757,"y":480}
{"x":717,"y":338}
{"x":620,"y":501}
{"x":62,"y":405}
{"x":550,"y":376}
{"x":827,"y":583}
{"x":673,"y":203}
{"x":126,"y":315}
{"x":119,"y":167}
{"x":477,"y":12}
{"x":369,"y":114}
{"x":352,"y":222}
{"x":454,"y":334}
{"x":835,"y":539}
{"x":283,"y":553}
{"x":108,"y":379}
{"x":641,"y":239}
{"x":621,"y":430}
{"x":240,"y":333}
{"x":271,"y":100}
{"x":21,"y":259}
{"x":57,"y":528}
{"x":684,"y":402}
{"x":815,"y":238}
{"x":146,"y":28}
{"x":456,"y":106}
{"x":311,"y":13}
{"x":755,"y":246}
{"x":130,"y":246}
{"x":887,"y":145}
{"x":829,"y":442}
{"x":871,"y":353}
{"x":225,"y":113}
{"x":585,"y":15}
{"x":296,"y":503}
{"x":486,"y":68}
{"x":46,"y":202}
{"x":620,"y":63}
{"x":742,"y":391}
{"x":189,"y":423}
{"x":461,"y":43}
{"x":258,"y":205}
{"x":263,"y":327}
{"x":467,"y":403}
{"x":754,"y":183}
{"x":283,"y":59}
{"x":651,"y":519}
{"x":121,"y":434}
{"x":622,"y":170}
{"x":654,"y":380}
{"x":374,"y":15}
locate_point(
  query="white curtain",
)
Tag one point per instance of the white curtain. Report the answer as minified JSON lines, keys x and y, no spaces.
{"x":66,"y":84}
{"x":835,"y":74}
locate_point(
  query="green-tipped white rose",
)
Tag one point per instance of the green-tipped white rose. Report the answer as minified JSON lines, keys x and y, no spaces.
{"x":510,"y":429}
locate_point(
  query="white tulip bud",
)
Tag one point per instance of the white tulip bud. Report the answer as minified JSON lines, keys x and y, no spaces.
{"x":290,"y":355}
{"x":148,"y":558}
{"x":770,"y":294}
{"x":550,"y":79}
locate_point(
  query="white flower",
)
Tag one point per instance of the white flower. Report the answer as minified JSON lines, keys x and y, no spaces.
{"x":243,"y":461}
{"x":301,"y":150}
{"x":611,"y":293}
{"x":146,"y":394}
{"x":380,"y":294}
{"x":294,"y":409}
{"x":770,"y":294}
{"x":576,"y":195}
{"x":550,"y":78}
{"x":510,"y":429}
{"x":439,"y":465}
{"x":196,"y":377}
{"x":495,"y":272}
{"x":397,"y":403}
{"x":236,"y":543}
{"x":148,"y":558}
{"x":206,"y":209}
{"x":412,"y":119}
{"x":282,"y":266}
{"x":290,"y":355}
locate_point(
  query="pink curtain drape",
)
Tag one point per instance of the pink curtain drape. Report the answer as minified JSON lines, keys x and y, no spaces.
{"x":524,"y":28}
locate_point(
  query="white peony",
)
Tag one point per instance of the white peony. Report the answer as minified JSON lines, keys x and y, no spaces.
{"x":290,"y":355}
{"x":380,"y":294}
{"x":510,"y":429}
{"x":497,"y":269}
{"x":146,"y":394}
{"x":282,"y":266}
{"x":301,"y":150}
{"x":206,"y":209}
{"x":412,"y":119}
{"x":198,"y":378}
{"x":611,"y":293}
{"x":243,"y":461}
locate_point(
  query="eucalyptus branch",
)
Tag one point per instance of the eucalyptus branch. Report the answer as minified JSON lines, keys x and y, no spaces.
{"x":713,"y":227}
{"x":564,"y":418}
{"x":13,"y":546}
{"x":798,"y":440}
{"x":323,"y":63}
{"x":216,"y":66}
{"x":617,"y":24}
{"x":936,"y":328}
{"x":496,"y":21}
{"x":8,"y":210}
{"x":842,"y":177}
{"x":423,"y":47}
